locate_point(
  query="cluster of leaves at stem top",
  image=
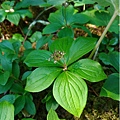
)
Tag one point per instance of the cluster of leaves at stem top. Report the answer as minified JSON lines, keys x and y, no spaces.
{"x":66,"y":74}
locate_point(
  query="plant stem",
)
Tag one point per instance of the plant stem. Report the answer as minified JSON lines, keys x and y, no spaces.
{"x":104,"y":33}
{"x":84,"y":7}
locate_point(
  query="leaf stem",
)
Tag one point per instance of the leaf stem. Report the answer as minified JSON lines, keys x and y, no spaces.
{"x":104,"y":33}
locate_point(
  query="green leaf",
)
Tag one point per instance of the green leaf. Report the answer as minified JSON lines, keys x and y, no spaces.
{"x":6,"y":87}
{"x":2,"y":15}
{"x":14,"y":18}
{"x":51,"y":28}
{"x":26,"y":53}
{"x":113,"y":5}
{"x":42,"y":41}
{"x":17,"y":37}
{"x":65,"y":16}
{"x":80,"y":47}
{"x":111,"y":87}
{"x":114,"y":59}
{"x":73,"y":49}
{"x":26,"y":74}
{"x":36,"y":36}
{"x":4,"y":77}
{"x":54,"y":2}
{"x":19,"y":104}
{"x":114,"y":41}
{"x":16,"y":45}
{"x":70,"y":91}
{"x":96,"y":18}
{"x":89,"y":70}
{"x":115,"y":26}
{"x":62,"y":45}
{"x":17,"y":88}
{"x":52,"y":115}
{"x":79,"y":18}
{"x":16,"y":69}
{"x":24,"y":13}
{"x":66,"y":32}
{"x":9,"y":98}
{"x":6,"y":46}
{"x":70,"y":17}
{"x":6,"y":5}
{"x":27,"y":45}
{"x":41,"y":78}
{"x":51,"y":104}
{"x":30,"y":106}
{"x":38,"y":58}
{"x":6,"y":63}
{"x":110,"y":48}
{"x":104,"y":58}
{"x":6,"y":111}
{"x":57,"y":21}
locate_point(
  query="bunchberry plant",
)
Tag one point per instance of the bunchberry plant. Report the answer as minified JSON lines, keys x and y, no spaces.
{"x":65,"y":71}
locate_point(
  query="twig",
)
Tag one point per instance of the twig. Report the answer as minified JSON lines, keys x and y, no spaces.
{"x":95,"y":53}
{"x":94,"y":91}
{"x":43,"y":12}
{"x":21,"y":31}
{"x":84,"y":7}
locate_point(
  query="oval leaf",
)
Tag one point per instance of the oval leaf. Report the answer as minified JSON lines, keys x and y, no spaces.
{"x":39,"y":58}
{"x":6,"y":111}
{"x":19,"y":104}
{"x":54,"y":2}
{"x":63,"y":45}
{"x":7,"y":86}
{"x":80,"y":47}
{"x":111,"y":87}
{"x":17,"y":88}
{"x":66,"y":32}
{"x":10,"y":98}
{"x":51,"y":103}
{"x":41,"y":78}
{"x":30,"y":106}
{"x":104,"y":58}
{"x":114,"y":59}
{"x":6,"y":46}
{"x":89,"y":70}
{"x":14,"y":18}
{"x":70,"y":91}
{"x":52,"y":115}
{"x":4,"y":77}
{"x":16,"y":69}
{"x":35,"y":36}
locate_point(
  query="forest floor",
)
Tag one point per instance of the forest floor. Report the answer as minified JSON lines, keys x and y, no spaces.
{"x":97,"y":108}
